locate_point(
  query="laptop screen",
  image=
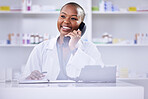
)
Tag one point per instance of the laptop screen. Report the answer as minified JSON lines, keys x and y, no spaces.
{"x":95,"y":73}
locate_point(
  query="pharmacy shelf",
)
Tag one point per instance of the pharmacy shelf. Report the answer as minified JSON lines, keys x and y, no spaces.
{"x":18,"y":45}
{"x":98,"y":12}
{"x":29,"y":12}
{"x":41,"y":12}
{"x":122,"y":45}
{"x":132,"y":78}
{"x":32,"y":12}
{"x":98,"y":45}
{"x":10,"y":12}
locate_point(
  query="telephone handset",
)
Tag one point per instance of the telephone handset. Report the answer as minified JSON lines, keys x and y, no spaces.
{"x":82,"y":28}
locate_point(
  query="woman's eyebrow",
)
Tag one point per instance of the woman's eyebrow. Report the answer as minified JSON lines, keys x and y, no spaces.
{"x":75,"y":15}
{"x":71,"y":15}
{"x":63,"y":12}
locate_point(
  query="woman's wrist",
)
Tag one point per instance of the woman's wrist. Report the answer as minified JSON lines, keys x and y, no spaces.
{"x":74,"y":50}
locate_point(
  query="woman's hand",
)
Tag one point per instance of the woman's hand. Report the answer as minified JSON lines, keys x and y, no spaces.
{"x":35,"y":75}
{"x":75,"y":37}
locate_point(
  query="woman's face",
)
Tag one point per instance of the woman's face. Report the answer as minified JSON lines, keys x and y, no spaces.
{"x":68,"y":20}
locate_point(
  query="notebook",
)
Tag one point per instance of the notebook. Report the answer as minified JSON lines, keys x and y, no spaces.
{"x":45,"y":81}
{"x":96,"y":73}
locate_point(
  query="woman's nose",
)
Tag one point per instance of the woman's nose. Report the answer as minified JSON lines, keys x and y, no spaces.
{"x":67,"y":20}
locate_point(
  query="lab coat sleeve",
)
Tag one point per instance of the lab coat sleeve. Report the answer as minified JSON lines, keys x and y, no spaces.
{"x":87,"y":55}
{"x":33,"y":63}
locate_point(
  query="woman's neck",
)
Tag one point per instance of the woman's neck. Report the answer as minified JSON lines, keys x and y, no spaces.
{"x":60,"y":39}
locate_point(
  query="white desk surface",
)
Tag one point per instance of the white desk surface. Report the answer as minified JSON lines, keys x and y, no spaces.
{"x":119,"y":90}
{"x":66,"y":84}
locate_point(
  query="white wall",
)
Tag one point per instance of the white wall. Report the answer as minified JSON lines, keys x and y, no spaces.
{"x":133,"y":58}
{"x":120,"y":26}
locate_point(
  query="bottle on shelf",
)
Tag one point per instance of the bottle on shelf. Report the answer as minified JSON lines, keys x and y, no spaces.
{"x":123,"y":72}
{"x":24,"y":5}
{"x":40,"y":38}
{"x":141,"y":38}
{"x":9,"y":39}
{"x":28,"y":39}
{"x":101,"y":5}
{"x":110,"y":39}
{"x":18,"y":38}
{"x":46,"y":36}
{"x":37,"y":38}
{"x":32,"y":39}
{"x":24,"y":38}
{"x":8,"y":74}
{"x":13,"y":38}
{"x":2,"y":73}
{"x":29,"y":4}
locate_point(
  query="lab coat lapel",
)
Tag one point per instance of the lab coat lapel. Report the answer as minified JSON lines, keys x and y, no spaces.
{"x":56,"y":66}
{"x":52,"y":61}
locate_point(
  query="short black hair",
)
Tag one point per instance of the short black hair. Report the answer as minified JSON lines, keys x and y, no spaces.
{"x":77,"y":6}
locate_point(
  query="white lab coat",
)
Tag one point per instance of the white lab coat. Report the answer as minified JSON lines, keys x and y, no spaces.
{"x":44,"y":58}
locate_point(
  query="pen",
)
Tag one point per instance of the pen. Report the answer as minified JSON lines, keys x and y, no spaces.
{"x":44,"y":72}
{"x":45,"y":75}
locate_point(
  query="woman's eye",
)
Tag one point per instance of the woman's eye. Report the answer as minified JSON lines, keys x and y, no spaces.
{"x":62,"y":16}
{"x":73,"y":18}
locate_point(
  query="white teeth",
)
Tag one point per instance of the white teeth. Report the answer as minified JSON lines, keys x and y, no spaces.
{"x":66,"y":27}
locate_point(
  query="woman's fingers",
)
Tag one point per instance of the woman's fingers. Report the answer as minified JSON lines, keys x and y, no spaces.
{"x":35,"y":75}
{"x":75,"y":37}
{"x":77,"y":32}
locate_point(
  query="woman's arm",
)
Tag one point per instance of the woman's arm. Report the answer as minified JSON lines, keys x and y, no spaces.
{"x":87,"y":54}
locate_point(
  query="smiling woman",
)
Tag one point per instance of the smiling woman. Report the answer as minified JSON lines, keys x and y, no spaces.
{"x":59,"y":61}
{"x":69,"y":18}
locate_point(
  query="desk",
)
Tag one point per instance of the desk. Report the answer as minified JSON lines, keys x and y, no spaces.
{"x":119,"y":90}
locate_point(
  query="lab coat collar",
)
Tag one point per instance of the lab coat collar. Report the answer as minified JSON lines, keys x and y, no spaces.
{"x":53,"y":41}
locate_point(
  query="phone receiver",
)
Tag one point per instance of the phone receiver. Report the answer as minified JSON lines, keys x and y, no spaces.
{"x":82,"y":28}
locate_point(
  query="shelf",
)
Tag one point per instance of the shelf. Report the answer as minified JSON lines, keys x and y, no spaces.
{"x":99,"y":45}
{"x":41,"y":12}
{"x":10,"y":12}
{"x":29,"y":12}
{"x":97,"y":12}
{"x":123,"y":45}
{"x":132,"y":78}
{"x":21,"y":45}
{"x":57,"y":12}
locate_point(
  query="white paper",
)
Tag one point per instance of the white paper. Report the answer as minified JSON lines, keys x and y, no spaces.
{"x":33,"y":81}
{"x":44,"y":81}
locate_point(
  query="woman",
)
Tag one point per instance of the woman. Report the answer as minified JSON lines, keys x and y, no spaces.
{"x":59,"y":61}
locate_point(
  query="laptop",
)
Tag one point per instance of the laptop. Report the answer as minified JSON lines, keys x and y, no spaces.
{"x":95,"y":73}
